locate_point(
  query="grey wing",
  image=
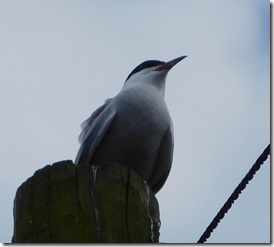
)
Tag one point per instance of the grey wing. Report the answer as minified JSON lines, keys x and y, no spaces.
{"x":164,"y":161}
{"x":86,"y":125}
{"x":93,"y":130}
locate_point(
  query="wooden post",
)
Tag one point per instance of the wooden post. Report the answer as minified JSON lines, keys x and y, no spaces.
{"x":65,"y":203}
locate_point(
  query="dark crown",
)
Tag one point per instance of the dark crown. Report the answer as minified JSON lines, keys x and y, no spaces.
{"x":144,"y":65}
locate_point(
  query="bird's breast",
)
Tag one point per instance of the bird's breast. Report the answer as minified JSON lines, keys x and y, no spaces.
{"x":142,"y":108}
{"x":135,"y":135}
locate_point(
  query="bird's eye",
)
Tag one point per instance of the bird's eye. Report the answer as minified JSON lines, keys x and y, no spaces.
{"x":151,"y":69}
{"x":156,"y":68}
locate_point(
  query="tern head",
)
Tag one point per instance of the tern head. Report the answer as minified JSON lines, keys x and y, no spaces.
{"x":152,"y":72}
{"x":153,"y":69}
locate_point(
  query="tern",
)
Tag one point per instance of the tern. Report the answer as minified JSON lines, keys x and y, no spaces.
{"x":134,"y":128}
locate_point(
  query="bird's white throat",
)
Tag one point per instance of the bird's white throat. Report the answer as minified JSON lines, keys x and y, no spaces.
{"x":152,"y":80}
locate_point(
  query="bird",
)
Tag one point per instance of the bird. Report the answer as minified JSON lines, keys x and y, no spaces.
{"x":134,"y":128}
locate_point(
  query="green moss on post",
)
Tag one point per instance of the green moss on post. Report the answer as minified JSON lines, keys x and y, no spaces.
{"x":65,"y":203}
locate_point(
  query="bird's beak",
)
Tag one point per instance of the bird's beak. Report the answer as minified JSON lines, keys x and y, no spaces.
{"x":168,"y":65}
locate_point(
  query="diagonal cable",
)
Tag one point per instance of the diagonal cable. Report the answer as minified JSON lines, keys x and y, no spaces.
{"x":262,"y":158}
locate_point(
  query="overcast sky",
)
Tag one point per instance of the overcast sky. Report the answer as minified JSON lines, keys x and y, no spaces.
{"x":60,"y":59}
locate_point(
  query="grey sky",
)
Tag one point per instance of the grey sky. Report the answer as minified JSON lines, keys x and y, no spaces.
{"x":61,"y":59}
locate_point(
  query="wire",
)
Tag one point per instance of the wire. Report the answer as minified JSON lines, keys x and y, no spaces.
{"x":262,"y":158}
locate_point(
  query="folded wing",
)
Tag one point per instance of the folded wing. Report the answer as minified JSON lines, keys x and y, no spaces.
{"x":93,"y":130}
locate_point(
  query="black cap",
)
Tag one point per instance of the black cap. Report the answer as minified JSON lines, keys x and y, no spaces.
{"x":146,"y":64}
